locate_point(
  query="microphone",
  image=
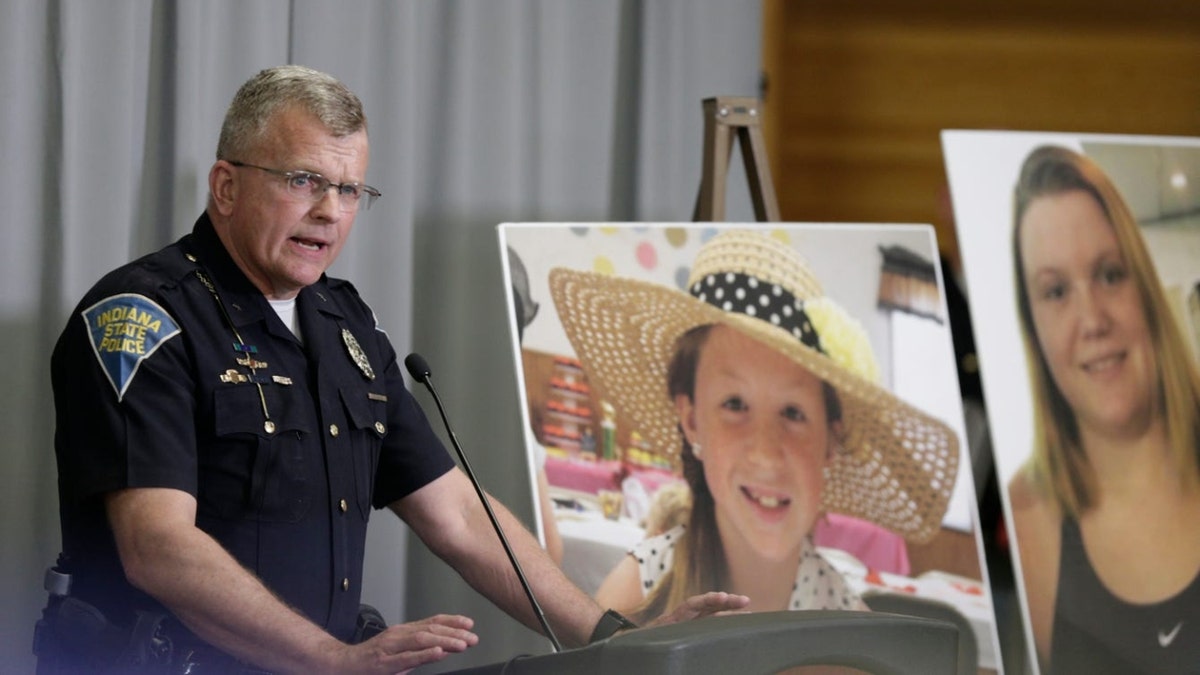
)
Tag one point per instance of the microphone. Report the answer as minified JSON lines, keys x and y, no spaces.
{"x":419,"y":370}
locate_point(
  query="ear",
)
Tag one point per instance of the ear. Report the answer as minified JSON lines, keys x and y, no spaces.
{"x":685,"y":408}
{"x":222,"y":186}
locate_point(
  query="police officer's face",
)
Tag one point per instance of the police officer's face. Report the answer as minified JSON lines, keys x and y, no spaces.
{"x":282,"y":241}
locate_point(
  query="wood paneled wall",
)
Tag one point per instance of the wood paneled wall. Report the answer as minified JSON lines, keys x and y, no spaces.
{"x":855,"y":93}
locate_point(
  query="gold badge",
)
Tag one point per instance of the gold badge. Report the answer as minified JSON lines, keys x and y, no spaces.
{"x":357,"y":355}
{"x":233,"y":376}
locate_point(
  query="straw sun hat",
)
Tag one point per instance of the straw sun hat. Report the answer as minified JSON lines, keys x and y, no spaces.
{"x":897,"y":465}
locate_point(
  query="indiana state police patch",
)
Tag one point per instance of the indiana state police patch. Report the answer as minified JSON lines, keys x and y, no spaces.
{"x":124,"y":330}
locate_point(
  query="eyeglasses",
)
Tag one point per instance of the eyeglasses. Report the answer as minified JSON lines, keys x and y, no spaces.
{"x":313,"y":186}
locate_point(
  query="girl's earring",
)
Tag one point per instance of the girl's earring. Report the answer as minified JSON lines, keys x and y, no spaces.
{"x":696,"y":450}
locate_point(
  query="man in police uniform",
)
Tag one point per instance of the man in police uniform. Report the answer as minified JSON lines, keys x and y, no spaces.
{"x":228,"y":416}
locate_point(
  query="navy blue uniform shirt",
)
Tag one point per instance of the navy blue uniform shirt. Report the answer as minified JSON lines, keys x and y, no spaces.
{"x":285,"y":444}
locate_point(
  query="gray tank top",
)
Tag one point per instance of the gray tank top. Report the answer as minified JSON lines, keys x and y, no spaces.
{"x":1097,"y":633}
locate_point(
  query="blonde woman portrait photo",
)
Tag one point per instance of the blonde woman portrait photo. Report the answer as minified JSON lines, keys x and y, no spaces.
{"x":1104,"y":499}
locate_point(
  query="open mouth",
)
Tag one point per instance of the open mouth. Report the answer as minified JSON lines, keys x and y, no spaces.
{"x":309,"y":244}
{"x":767,"y":500}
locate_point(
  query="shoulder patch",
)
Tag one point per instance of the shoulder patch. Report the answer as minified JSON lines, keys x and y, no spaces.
{"x":124,"y":330}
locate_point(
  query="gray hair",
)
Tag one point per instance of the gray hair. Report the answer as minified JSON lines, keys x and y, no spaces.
{"x":275,"y":89}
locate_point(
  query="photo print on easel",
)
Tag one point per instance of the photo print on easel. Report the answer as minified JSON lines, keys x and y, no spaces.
{"x":768,"y":409}
{"x":1081,"y":254}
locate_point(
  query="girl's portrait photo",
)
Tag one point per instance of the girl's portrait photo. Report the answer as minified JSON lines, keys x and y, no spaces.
{"x":765,"y":409}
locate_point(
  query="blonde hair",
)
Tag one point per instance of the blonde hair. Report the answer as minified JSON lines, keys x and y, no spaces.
{"x":669,"y":508}
{"x":1059,"y":463}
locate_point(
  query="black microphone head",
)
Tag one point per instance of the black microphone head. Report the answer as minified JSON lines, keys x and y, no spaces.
{"x":417,"y":367}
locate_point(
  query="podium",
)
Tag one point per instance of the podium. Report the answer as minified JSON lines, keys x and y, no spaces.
{"x":761,"y":643}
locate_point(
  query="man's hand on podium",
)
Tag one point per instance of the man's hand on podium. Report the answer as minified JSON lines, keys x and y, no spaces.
{"x":403,"y":647}
{"x":716,"y":603}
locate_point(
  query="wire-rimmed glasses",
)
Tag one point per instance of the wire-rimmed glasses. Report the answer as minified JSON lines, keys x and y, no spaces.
{"x":312,"y":186}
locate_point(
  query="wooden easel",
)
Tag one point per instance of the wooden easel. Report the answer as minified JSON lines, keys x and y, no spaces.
{"x":722,"y":115}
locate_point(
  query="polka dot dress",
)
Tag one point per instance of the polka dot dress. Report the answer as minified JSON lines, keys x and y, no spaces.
{"x":817,"y":586}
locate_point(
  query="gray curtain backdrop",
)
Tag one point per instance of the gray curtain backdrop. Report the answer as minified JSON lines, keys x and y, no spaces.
{"x":480,"y":112}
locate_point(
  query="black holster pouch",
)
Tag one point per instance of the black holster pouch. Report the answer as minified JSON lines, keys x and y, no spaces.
{"x":74,"y":636}
{"x":368,"y":624}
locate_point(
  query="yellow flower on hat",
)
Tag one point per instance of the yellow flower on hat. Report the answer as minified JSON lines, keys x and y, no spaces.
{"x":843,"y":338}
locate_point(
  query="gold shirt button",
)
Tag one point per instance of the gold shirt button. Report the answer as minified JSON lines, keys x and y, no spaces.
{"x":345,"y":584}
{"x":342,"y":505}
{"x":333,"y":430}
{"x":379,"y":427}
{"x":269,"y":427}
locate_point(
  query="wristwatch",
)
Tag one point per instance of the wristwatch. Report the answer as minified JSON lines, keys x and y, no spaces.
{"x":609,"y":624}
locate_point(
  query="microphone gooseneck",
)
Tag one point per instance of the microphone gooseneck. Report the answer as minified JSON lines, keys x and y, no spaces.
{"x":419,"y":370}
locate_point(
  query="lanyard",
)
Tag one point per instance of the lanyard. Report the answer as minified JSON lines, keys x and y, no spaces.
{"x":240,"y":346}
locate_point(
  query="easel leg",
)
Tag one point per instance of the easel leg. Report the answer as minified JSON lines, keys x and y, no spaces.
{"x":721,"y":116}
